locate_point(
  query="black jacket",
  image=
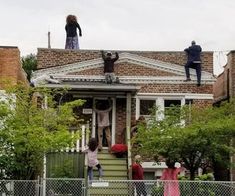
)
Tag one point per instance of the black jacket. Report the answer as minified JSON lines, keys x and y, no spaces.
{"x":71,"y":29}
{"x":194,"y":53}
{"x":109,"y":63}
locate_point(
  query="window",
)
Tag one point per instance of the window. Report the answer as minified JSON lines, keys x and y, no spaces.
{"x":170,"y":103}
{"x":146,"y":106}
{"x":188,"y":101}
{"x":168,"y":107}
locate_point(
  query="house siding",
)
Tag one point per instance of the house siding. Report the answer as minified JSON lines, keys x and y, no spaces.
{"x":126,"y":69}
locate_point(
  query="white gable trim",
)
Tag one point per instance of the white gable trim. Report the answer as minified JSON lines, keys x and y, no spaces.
{"x":135,"y":79}
{"x":124,"y":57}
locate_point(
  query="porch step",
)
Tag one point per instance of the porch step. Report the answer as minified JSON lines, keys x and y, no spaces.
{"x":113,"y":168}
{"x":112,"y":173}
{"x":112,"y":161}
{"x":110,"y":188}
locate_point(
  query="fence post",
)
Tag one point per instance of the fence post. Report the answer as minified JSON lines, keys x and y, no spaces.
{"x":85,"y":188}
{"x":38,"y":187}
{"x":44,"y":175}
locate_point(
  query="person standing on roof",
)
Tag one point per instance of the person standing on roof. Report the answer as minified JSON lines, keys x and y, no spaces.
{"x":194,"y":61}
{"x":71,"y":32}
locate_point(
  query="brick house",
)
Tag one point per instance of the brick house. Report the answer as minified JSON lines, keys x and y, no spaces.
{"x":147,"y":78}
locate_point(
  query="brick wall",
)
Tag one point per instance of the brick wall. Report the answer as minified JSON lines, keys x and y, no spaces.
{"x":202,"y":102}
{"x":126,"y":69}
{"x":10,"y":66}
{"x":121,"y":119}
{"x":221,"y":87}
{"x":231,"y":63}
{"x":56,"y":57}
{"x":176,"y":88}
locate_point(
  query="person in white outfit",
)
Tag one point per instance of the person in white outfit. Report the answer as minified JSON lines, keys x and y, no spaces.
{"x":104,"y":124}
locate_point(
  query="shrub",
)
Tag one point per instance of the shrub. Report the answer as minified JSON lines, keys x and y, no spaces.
{"x":120,"y":150}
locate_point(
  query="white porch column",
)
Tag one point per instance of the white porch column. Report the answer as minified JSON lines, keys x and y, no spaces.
{"x":113,"y":121}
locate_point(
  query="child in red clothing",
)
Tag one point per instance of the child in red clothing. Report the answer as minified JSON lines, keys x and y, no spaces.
{"x":138,"y":174}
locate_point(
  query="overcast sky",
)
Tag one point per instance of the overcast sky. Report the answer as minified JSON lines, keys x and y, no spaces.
{"x":159,"y":25}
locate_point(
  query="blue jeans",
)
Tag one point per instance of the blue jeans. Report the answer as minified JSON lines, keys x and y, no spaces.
{"x":90,"y":171}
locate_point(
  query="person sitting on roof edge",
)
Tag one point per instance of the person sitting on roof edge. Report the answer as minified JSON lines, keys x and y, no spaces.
{"x":109,"y":67}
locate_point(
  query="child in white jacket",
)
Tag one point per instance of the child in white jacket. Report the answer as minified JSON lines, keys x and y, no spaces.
{"x":92,"y":158}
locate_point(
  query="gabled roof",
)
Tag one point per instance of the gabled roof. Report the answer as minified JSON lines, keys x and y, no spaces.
{"x":62,"y":72}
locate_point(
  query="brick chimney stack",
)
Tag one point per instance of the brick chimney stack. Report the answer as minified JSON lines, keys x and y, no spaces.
{"x":10,"y":65}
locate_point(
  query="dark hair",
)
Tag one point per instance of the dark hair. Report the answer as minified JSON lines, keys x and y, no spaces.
{"x":170,"y":164}
{"x":71,"y":19}
{"x":92,"y":144}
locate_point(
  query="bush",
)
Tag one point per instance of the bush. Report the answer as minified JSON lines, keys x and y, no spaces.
{"x":120,"y":150}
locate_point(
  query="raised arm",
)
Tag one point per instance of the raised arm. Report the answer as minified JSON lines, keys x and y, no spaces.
{"x":102,"y":53}
{"x":106,"y":110}
{"x":186,"y":50}
{"x":85,"y":150}
{"x":116,"y":57}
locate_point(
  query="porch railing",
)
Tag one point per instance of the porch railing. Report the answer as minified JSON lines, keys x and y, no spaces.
{"x":82,"y":142}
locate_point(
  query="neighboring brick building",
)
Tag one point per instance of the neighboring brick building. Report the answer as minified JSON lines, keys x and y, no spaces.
{"x":224,"y":89}
{"x":147,"y":78}
{"x":10,"y":66}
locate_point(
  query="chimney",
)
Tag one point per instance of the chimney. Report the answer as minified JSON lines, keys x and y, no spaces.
{"x":10,"y":66}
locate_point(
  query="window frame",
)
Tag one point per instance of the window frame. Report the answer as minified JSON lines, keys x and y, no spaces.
{"x":159,"y":102}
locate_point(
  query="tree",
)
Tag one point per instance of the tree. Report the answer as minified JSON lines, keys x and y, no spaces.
{"x":204,"y":137}
{"x":29,"y":64}
{"x":28,"y":131}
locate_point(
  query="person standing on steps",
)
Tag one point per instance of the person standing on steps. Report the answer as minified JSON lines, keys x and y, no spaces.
{"x":71,"y":32}
{"x":194,"y":61}
{"x":109,"y":67}
{"x":92,"y":159}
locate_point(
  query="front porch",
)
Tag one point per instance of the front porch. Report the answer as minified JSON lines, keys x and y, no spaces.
{"x":122,"y":115}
